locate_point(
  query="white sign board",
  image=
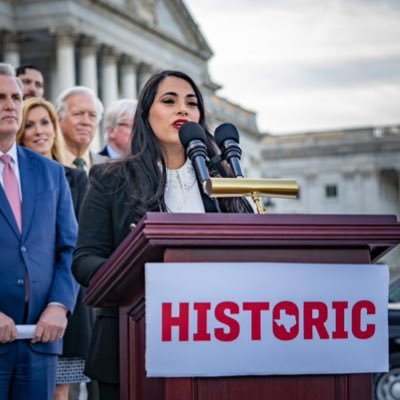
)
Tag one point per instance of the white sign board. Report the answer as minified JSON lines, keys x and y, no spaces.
{"x":222,"y":319}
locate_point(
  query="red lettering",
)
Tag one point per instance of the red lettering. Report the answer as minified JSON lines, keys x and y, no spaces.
{"x":225,"y":327}
{"x":181,"y":321}
{"x":285,"y":320}
{"x":220,"y":315}
{"x":358,"y":308}
{"x":202,"y":310}
{"x":255,"y":309}
{"x":315,"y":320}
{"x":340,"y":307}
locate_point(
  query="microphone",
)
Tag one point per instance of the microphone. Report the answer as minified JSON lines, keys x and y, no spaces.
{"x":227,"y":138}
{"x":193,"y":138}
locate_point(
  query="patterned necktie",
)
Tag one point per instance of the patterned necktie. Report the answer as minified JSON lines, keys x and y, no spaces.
{"x":11,"y":188}
{"x":80,"y":163}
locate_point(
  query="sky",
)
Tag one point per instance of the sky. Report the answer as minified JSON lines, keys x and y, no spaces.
{"x":306,"y":65}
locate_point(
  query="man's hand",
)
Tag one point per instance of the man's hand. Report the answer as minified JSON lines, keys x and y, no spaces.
{"x":8,"y":330}
{"x":51,"y":325}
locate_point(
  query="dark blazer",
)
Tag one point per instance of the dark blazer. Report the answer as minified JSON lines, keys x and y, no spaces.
{"x":78,"y":183}
{"x":43,"y":249}
{"x":104,"y":223}
{"x":77,"y":335}
{"x":104,"y":152}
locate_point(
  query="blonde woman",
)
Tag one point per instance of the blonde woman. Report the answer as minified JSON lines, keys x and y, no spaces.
{"x":40,"y":131}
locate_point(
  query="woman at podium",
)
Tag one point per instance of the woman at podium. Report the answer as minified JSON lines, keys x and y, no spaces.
{"x":156,"y":176}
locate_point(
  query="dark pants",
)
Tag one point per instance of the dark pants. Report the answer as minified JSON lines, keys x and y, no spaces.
{"x":25,"y":374}
{"x":93,"y":390}
{"x":108,"y":391}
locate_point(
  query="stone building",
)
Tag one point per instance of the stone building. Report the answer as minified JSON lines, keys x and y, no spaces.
{"x":349,"y":171}
{"x":113,"y":46}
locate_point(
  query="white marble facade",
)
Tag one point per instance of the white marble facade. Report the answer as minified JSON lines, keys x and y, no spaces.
{"x":113,"y":46}
{"x":350,"y":171}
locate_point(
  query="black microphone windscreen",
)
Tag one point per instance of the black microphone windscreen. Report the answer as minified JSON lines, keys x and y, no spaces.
{"x":191,"y":131}
{"x":224,"y":132}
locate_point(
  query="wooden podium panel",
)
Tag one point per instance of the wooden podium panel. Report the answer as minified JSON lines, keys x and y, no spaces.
{"x":162,"y":237}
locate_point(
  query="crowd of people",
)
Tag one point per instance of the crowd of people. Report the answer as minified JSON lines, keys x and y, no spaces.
{"x":45,"y":194}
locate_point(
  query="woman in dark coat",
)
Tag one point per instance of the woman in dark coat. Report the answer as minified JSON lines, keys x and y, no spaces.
{"x":40,"y":132}
{"x":155,"y":176}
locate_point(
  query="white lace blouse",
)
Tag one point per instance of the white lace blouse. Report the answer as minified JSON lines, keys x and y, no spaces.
{"x":182,"y":193}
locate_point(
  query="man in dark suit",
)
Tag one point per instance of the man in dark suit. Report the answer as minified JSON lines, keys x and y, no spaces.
{"x":79,"y":111}
{"x":37,"y":237}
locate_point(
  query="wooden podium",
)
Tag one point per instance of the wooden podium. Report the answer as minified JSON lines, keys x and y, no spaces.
{"x":162,"y":237}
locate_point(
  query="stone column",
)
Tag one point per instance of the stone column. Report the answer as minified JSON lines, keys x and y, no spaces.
{"x":146,"y":71}
{"x":65,"y":76}
{"x":109,"y":77}
{"x":128,"y":78}
{"x":88,"y":64}
{"x":53,"y":81}
{"x":369,"y":201}
{"x":309,"y":191}
{"x":11,"y":49}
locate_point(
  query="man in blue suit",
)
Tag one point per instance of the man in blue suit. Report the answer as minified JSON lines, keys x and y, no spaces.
{"x":36,"y":245}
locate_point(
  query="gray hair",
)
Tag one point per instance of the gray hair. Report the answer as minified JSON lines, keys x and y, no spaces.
{"x":8,"y":70}
{"x":118,"y":109}
{"x":62,"y":106}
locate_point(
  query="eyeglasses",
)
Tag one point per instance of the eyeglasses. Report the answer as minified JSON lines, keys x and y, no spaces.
{"x":124,"y":125}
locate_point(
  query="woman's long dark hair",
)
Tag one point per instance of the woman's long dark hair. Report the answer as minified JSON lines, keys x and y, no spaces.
{"x":141,"y":174}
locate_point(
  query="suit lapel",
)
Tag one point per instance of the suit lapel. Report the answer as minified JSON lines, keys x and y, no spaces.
{"x":28,"y":176}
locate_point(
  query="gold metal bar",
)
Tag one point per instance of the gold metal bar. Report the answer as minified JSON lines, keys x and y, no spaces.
{"x":257,"y":201}
{"x":236,"y":187}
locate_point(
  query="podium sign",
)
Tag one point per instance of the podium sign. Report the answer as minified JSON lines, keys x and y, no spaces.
{"x":230,"y":319}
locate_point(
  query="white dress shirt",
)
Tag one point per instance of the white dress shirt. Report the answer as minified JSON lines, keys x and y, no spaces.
{"x":113,"y":153}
